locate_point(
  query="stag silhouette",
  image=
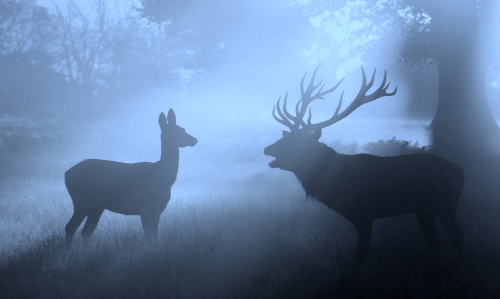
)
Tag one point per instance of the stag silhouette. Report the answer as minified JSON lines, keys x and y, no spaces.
{"x":363,"y":188}
{"x":131,"y":189}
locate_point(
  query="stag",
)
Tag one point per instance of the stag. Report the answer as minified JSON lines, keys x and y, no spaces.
{"x":363,"y":188}
{"x":131,"y":189}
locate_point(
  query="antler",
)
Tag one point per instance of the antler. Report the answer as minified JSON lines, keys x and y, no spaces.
{"x":307,"y":98}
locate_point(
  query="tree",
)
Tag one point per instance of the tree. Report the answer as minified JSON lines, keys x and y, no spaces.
{"x":27,"y":81}
{"x":107,"y":57}
{"x":29,"y":85}
{"x":458,"y":45}
{"x":222,"y":31}
{"x":23,"y":26}
{"x":83,"y":51}
{"x":453,"y":36}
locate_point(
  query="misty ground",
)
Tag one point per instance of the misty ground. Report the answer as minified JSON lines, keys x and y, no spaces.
{"x":234,"y":228}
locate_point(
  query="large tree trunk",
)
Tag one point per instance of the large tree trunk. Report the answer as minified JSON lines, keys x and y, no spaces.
{"x":463,"y":122}
{"x":463,"y":118}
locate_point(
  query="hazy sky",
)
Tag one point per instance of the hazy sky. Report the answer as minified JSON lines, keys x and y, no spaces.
{"x":276,"y":50}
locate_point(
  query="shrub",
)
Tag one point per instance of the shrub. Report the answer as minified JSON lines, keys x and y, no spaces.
{"x":343,"y":148}
{"x":395,"y":147}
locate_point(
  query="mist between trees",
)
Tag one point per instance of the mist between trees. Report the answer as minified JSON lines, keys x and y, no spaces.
{"x":68,"y":69}
{"x":88,"y":81}
{"x":88,"y":59}
{"x":84,"y":61}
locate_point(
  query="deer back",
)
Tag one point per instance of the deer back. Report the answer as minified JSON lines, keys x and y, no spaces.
{"x":370,"y":186}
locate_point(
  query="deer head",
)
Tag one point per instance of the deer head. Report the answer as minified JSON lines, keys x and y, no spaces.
{"x":173,"y":136}
{"x":297,"y":148}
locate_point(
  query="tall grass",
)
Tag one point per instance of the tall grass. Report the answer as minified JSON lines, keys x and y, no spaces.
{"x":233,"y":229}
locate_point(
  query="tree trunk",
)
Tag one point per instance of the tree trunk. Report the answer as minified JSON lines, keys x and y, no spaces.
{"x":463,"y":117}
{"x":463,"y":121}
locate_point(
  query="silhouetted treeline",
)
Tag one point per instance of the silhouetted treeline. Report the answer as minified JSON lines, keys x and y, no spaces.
{"x":65,"y":60}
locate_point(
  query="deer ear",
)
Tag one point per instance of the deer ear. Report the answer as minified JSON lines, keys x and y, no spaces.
{"x":316,"y":134}
{"x":162,"y":121}
{"x":171,"y":117}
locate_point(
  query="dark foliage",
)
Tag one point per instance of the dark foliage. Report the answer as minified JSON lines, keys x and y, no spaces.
{"x":28,"y":85}
{"x":343,"y":148}
{"x":395,"y":147}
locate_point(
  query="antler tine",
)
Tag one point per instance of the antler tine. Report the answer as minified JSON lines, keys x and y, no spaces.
{"x":385,"y":88}
{"x":364,"y":86}
{"x":281,"y":113}
{"x":340,"y":104}
{"x":288,"y":115}
{"x":283,"y":119}
{"x":335,"y":118}
{"x":380,"y":92}
{"x":307,"y":97}
{"x":320,"y":95}
{"x":310,"y":89}
{"x":297,"y":107}
{"x":297,"y":112}
{"x":372,"y":79}
{"x":302,"y":84}
{"x":360,"y":99}
{"x":391,"y":93}
{"x":277,"y":119}
{"x":297,"y":120}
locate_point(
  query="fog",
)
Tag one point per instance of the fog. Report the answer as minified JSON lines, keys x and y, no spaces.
{"x":88,"y":80}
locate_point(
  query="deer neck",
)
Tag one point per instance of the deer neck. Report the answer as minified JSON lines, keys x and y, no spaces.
{"x":169,"y":158}
{"x":319,"y":172}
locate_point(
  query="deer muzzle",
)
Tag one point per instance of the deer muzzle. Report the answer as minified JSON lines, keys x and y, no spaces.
{"x":268,"y":151}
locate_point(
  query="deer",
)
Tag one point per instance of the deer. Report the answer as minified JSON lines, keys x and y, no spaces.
{"x":142,"y":188}
{"x":362,"y":188}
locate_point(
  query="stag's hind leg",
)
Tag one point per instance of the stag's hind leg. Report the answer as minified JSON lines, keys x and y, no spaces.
{"x":428,"y":227}
{"x":449,"y":221}
{"x":91,"y":223}
{"x":73,"y":224}
{"x":364,"y":229}
{"x":150,"y":225}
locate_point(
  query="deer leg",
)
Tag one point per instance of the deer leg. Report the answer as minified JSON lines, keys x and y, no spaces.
{"x":73,"y":224}
{"x":150,"y":225}
{"x":449,"y":221}
{"x":364,"y":237}
{"x":91,"y":223}
{"x":428,"y":227}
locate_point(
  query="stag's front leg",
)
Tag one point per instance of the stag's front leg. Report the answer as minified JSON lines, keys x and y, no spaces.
{"x":428,"y":227}
{"x":73,"y":224}
{"x":150,"y":225}
{"x":91,"y":223}
{"x":364,"y":229}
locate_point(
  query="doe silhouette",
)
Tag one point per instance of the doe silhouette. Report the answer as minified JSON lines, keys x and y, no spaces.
{"x":131,"y":189}
{"x":363,"y":188}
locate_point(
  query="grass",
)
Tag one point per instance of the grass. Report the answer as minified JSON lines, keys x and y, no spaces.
{"x":244,"y":231}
